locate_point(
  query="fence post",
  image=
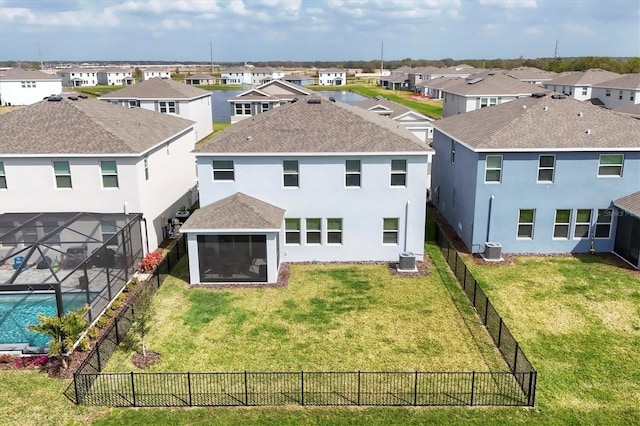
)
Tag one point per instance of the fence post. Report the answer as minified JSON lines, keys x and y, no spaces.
{"x":486,"y":308}
{"x":75,"y":387}
{"x":302,"y":388}
{"x":358,"y":387}
{"x":133,"y":390}
{"x":246,"y":389}
{"x":464,"y":280}
{"x":189,"y":387}
{"x":455,"y":266}
{"x":117,"y":320}
{"x":529,"y":392}
{"x":98,"y":356}
{"x":500,"y":333}
{"x":475,"y":288}
{"x":515,"y":358}
{"x":415,"y":389}
{"x":473,"y":385}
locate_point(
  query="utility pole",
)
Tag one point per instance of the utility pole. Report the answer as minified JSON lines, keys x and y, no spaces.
{"x":40,"y":57}
{"x":381,"y":58}
{"x":555,"y":54}
{"x":211,"y":55}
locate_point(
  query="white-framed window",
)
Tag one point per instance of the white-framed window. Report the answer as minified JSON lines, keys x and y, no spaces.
{"x":223,"y":170}
{"x":290,"y":173}
{"x":108,"y":230}
{"x":546,"y":168}
{"x":62,"y":173}
{"x":168,"y":107}
{"x":607,"y":92}
{"x":265,"y":106}
{"x":133,"y":104}
{"x":109,"y":170}
{"x":334,"y":231}
{"x":631,"y":95}
{"x":243,"y":109}
{"x":485,"y":102}
{"x":561,"y":224}
{"x":610,"y":165}
{"x":453,"y":152}
{"x":353,"y":173}
{"x":390,"y":228}
{"x":292,"y":231}
{"x":583,"y":223}
{"x":526,"y":221}
{"x":584,"y":91}
{"x":493,"y":169}
{"x":620,"y":92}
{"x":3,"y":177}
{"x":603,"y":223}
{"x":398,"y":172}
{"x":146,"y":168}
{"x":314,"y":230}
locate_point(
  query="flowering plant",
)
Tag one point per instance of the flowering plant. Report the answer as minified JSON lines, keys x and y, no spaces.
{"x":37,"y":361}
{"x":151,"y":261}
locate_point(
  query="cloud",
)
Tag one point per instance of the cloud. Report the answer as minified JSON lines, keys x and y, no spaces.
{"x":510,"y":4}
{"x":167,"y":6}
{"x":71,"y":18}
{"x":175,"y":24}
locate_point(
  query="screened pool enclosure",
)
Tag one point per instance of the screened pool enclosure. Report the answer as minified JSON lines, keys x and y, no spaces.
{"x":55,"y":262}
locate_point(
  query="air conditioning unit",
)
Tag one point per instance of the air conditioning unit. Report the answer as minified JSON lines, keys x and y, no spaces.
{"x":407,"y":262}
{"x":492,"y":251}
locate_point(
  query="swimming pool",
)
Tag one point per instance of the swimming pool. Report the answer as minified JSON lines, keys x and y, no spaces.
{"x":18,"y":311}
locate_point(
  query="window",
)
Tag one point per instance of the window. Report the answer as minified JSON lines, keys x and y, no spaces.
{"x":631,"y":97}
{"x":109,"y":174}
{"x":620,"y":95}
{"x":398,"y":172}
{"x":108,"y":231}
{"x":134,"y":104}
{"x":561,"y":224}
{"x":493,"y":169}
{"x":353,"y":173}
{"x":63,"y":174}
{"x":29,"y":234}
{"x":485,"y":102}
{"x":290,"y":173}
{"x":314,"y":231}
{"x":47,"y":229}
{"x":3,"y":177}
{"x":526,"y":218}
{"x":390,"y":228}
{"x":607,"y":92}
{"x":584,"y":91}
{"x":169,"y":107}
{"x":243,"y":109}
{"x":265,"y":106}
{"x":292,"y":231}
{"x":603,"y":223}
{"x":334,"y":231}
{"x":223,"y":170}
{"x":546,"y":166}
{"x":610,"y":165}
{"x":453,"y":152}
{"x":146,"y":168}
{"x":583,"y":223}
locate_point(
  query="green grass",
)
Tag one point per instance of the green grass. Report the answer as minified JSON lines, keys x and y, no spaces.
{"x":95,"y":91}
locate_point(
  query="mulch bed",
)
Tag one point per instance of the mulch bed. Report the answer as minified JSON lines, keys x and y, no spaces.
{"x":147,"y":360}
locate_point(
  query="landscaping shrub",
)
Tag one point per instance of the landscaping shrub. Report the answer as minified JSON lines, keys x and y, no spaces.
{"x":151,"y":261}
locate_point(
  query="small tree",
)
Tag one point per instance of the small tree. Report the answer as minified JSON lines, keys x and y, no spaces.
{"x":63,"y":330}
{"x":143,"y":314}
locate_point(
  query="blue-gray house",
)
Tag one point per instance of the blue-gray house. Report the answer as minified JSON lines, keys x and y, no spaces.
{"x":541,"y":174}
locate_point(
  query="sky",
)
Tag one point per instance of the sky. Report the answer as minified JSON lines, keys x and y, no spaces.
{"x":315,"y":30}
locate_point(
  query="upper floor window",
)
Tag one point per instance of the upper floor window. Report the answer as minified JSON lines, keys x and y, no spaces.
{"x":398,"y":172}
{"x":603,"y":223}
{"x":620,"y":95}
{"x":390,"y":228}
{"x":334,"y":231}
{"x":485,"y":102}
{"x":109,"y":171}
{"x":607,"y":92}
{"x":62,"y":172}
{"x":3,"y":177}
{"x":168,"y":107}
{"x":314,"y":231}
{"x":610,"y":165}
{"x":292,"y":231}
{"x":265,"y":106}
{"x":223,"y":170}
{"x":353,"y":173}
{"x":583,"y":223}
{"x":493,"y":169}
{"x":546,"y":167}
{"x":526,"y":220}
{"x":584,"y":91}
{"x":291,"y":175}
{"x":453,"y":151}
{"x":146,"y":168}
{"x":561,"y":224}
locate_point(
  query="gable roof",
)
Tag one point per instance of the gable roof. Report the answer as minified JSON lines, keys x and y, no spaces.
{"x":332,"y":70}
{"x":20,"y":74}
{"x":85,"y":126}
{"x":314,"y":125}
{"x":158,"y":88}
{"x":296,"y":77}
{"x":238,"y":211}
{"x":584,"y":78}
{"x":543,"y":123}
{"x":199,"y":77}
{"x":629,"y":109}
{"x":531,"y":73}
{"x":440,"y":82}
{"x":396,"y":109}
{"x":625,"y":82}
{"x":629,"y":203}
{"x":491,"y":83}
{"x":272,"y":90}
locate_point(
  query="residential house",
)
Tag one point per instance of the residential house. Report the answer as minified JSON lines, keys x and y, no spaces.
{"x":79,"y":77}
{"x":200,"y":79}
{"x":313,"y":180}
{"x":541,"y":174}
{"x":250,"y":75}
{"x":332,"y":77}
{"x":115,"y":77}
{"x":299,"y":79}
{"x":155,"y":72}
{"x":578,"y":85}
{"x":435,"y":88}
{"x":395,"y":82}
{"x":85,"y":155}
{"x":619,"y":92}
{"x":263,"y":98}
{"x":532,"y":75}
{"x":171,"y":98}
{"x":25,"y":87}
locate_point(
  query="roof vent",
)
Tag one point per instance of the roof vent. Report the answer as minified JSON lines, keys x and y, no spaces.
{"x":580,"y":114}
{"x":588,"y":131}
{"x":538,"y":95}
{"x":332,"y":99}
{"x":83,"y":96}
{"x":475,"y":80}
{"x":545,"y":108}
{"x":249,"y":137}
{"x":73,"y":98}
{"x":294,"y":100}
{"x":54,"y":98}
{"x":558,"y":97}
{"x":524,"y":107}
{"x":314,"y":101}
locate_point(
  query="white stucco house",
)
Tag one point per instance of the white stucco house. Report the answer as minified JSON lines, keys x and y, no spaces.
{"x":313,"y":180}
{"x":332,"y":77}
{"x":171,"y":98}
{"x":155,"y":72}
{"x":263,"y":98}
{"x":25,"y":87}
{"x":87,"y":155}
{"x":250,"y":75}
{"x":578,"y":85}
{"x":620,"y":92}
{"x":115,"y":77}
{"x":78,"y":77}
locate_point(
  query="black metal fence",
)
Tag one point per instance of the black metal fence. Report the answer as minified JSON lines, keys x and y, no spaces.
{"x":502,"y":337}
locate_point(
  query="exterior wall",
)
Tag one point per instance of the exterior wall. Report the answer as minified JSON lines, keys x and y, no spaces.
{"x":88,"y":77}
{"x":629,"y":97}
{"x":322,"y":194}
{"x":256,"y":108}
{"x":12,"y":92}
{"x":456,"y":104}
{"x":148,"y":74}
{"x":113,"y":78}
{"x":327,"y":79}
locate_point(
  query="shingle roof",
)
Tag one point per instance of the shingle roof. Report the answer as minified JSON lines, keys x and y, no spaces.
{"x":632,"y":110}
{"x":85,"y":126}
{"x":20,"y":74}
{"x":199,"y":77}
{"x":296,"y":77}
{"x":492,"y":84}
{"x":626,"y":82}
{"x":332,"y":70}
{"x":543,"y":123}
{"x":584,"y":78}
{"x":394,"y":108}
{"x":238,"y":211}
{"x":325,"y":127}
{"x":395,"y":78}
{"x":440,"y":82}
{"x":630,"y":203}
{"x":158,"y":88}
{"x":531,"y":73}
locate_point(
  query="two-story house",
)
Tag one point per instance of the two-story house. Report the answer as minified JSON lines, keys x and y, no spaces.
{"x":541,"y":174}
{"x":419,"y":124}
{"x":78,"y":77}
{"x":171,"y":98}
{"x":25,"y":87}
{"x":250,"y":75}
{"x":332,"y":77}
{"x":435,"y":88}
{"x":618,"y":93}
{"x":578,"y":85}
{"x":313,"y":180}
{"x":200,"y":78}
{"x":532,"y":75}
{"x":115,"y":77}
{"x":83,"y":155}
{"x":155,"y":72}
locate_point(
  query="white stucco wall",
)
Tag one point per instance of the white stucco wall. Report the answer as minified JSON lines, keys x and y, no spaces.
{"x":613,"y":100}
{"x":12,"y":92}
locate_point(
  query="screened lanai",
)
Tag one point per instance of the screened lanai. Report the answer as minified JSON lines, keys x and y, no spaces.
{"x":55,"y":262}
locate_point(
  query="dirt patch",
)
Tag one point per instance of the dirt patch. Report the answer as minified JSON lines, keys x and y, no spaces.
{"x":145,"y":361}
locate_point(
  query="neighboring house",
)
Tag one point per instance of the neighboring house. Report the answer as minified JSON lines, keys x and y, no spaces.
{"x":79,"y":77}
{"x":395,"y":82}
{"x":250,"y":75}
{"x":578,"y":85}
{"x":332,"y":77}
{"x":198,"y":79}
{"x":482,"y":90}
{"x":263,"y":98}
{"x":313,"y":180}
{"x":630,"y":110}
{"x":115,"y":77}
{"x":538,"y":175}
{"x":168,"y":97}
{"x":299,"y":79}
{"x":151,"y":73}
{"x":418,"y":124}
{"x":619,"y":92}
{"x":25,"y":87}
{"x":90,"y":156}
{"x":532,"y":75}
{"x":434,"y":88}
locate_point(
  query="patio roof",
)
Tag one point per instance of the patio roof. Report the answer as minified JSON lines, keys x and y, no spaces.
{"x":629,"y":203}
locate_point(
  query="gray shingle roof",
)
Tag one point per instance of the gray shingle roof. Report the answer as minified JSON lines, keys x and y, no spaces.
{"x":441,"y":82}
{"x":395,"y":109}
{"x":238,"y":211}
{"x":626,"y":82}
{"x":199,"y":77}
{"x":20,"y":74}
{"x":531,"y":73}
{"x":85,"y":126}
{"x":158,"y":88}
{"x":630,"y":203}
{"x":332,"y":70}
{"x":326,"y":127}
{"x":584,"y":78}
{"x":632,"y":110}
{"x":542,"y":124}
{"x":496,"y":84}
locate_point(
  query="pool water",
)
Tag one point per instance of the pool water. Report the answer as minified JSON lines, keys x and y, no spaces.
{"x":18,"y":311}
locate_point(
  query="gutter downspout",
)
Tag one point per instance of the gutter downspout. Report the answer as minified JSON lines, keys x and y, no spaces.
{"x":489,"y":216}
{"x":406,"y":224}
